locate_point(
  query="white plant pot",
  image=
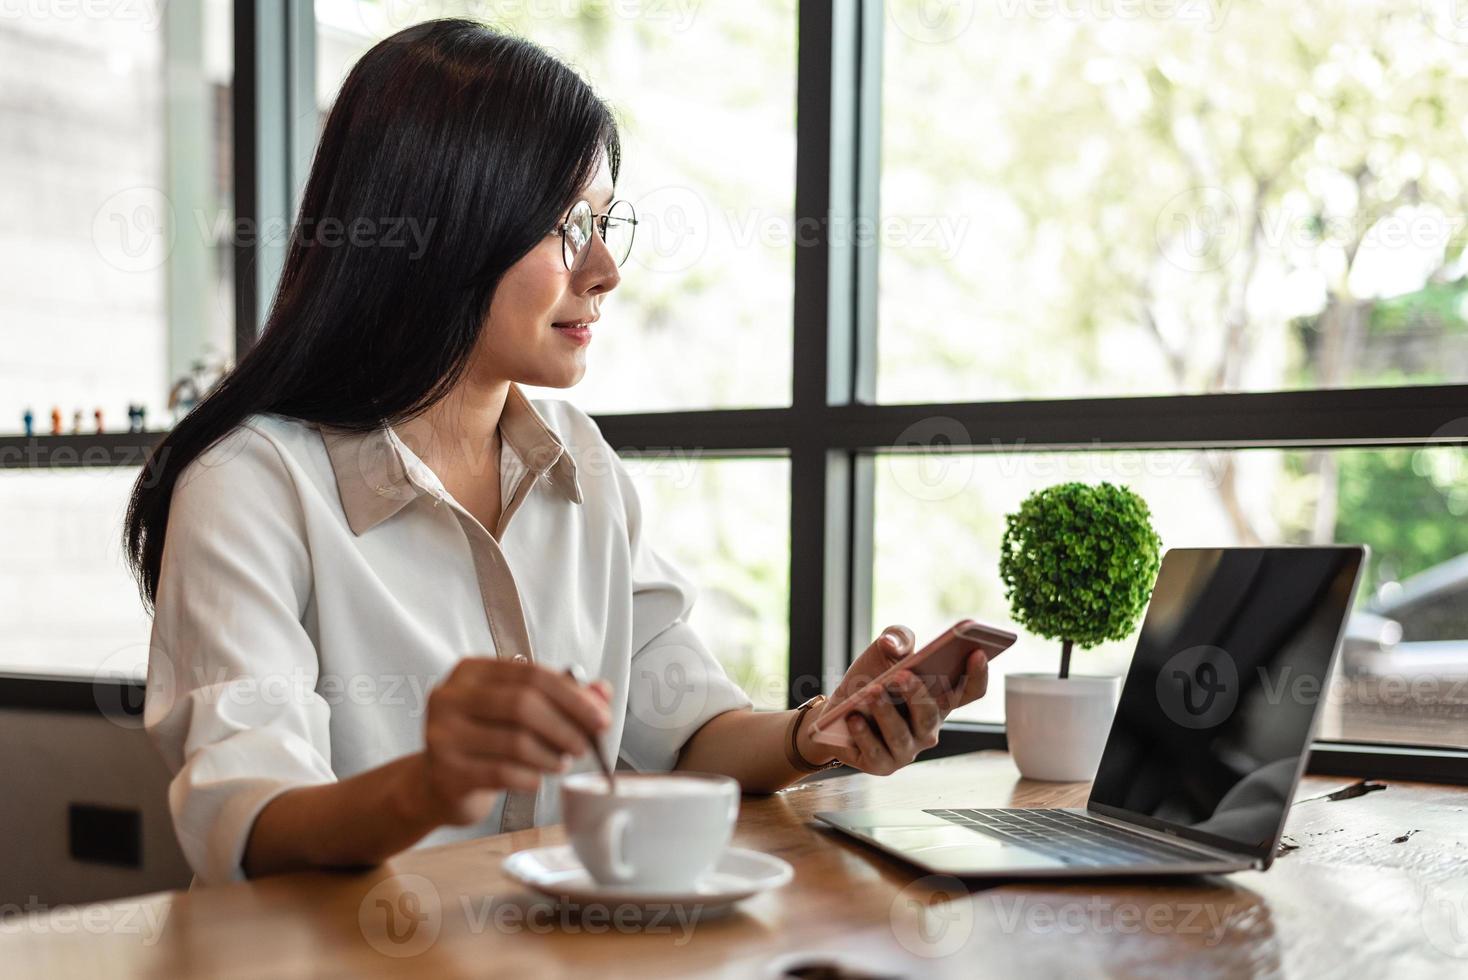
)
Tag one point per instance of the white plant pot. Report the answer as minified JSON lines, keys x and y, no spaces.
{"x":1058,"y":727}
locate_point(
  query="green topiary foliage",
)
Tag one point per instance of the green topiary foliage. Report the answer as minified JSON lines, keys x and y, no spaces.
{"x":1078,"y":563}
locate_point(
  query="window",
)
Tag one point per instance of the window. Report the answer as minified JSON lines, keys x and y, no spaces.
{"x":73,"y":608}
{"x":1208,"y":250}
{"x":726,"y":525}
{"x":1170,"y":198}
{"x":116,"y":283}
{"x":115,"y":246}
{"x":1404,"y":665}
{"x":705,"y":97}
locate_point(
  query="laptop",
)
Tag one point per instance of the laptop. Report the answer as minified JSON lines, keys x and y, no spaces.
{"x":1211,"y":731}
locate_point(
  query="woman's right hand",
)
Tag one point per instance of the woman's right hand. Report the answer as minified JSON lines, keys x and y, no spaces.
{"x":495,"y":725}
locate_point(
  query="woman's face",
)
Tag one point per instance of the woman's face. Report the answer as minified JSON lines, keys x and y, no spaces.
{"x":519,"y":342}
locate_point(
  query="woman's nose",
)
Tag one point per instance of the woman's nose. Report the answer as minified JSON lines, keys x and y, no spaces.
{"x":599,"y":273}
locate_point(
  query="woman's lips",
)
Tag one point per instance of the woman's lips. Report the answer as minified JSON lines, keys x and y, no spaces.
{"x":579,"y":333}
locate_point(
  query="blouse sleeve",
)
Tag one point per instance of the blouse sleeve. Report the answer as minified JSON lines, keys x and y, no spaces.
{"x":676,"y":684}
{"x":231,"y":693}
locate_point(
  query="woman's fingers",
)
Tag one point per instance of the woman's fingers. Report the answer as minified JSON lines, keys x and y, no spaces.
{"x":578,"y":703}
{"x":518,"y":745}
{"x":874,"y":756}
{"x":527,"y":708}
{"x":497,"y":774}
{"x":497,"y":724}
{"x":975,"y":681}
{"x":925,"y":715}
{"x":894,"y":643}
{"x":455,"y":770}
{"x":893,"y":728}
{"x":553,"y":706}
{"x":890,"y":741}
{"x":899,"y":640}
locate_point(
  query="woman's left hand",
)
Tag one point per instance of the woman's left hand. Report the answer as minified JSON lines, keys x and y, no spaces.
{"x":888,"y":742}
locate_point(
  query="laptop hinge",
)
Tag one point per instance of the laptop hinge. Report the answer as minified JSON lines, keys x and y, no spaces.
{"x":1174,"y":839}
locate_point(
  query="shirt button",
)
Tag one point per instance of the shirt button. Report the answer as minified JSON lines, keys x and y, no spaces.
{"x":520,"y":658}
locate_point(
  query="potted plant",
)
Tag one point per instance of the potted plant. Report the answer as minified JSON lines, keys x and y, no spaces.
{"x":1078,"y":564}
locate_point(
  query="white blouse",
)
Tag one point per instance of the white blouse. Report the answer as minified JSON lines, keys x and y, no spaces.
{"x":316,"y":584}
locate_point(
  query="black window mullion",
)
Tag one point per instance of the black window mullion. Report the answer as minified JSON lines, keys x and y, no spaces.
{"x":868,"y":164}
{"x":867,"y":158}
{"x":274,"y":113}
{"x":863,"y":550}
{"x":823,"y":355}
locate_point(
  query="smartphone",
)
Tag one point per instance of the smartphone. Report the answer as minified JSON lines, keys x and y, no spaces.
{"x":939,"y":664}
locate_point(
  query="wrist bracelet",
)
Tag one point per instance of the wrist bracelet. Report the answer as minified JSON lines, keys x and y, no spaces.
{"x":792,"y":747}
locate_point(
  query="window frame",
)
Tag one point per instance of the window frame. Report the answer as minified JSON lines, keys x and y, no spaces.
{"x":833,"y":429}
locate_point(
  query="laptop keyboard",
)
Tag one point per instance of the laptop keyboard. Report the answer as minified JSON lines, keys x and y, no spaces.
{"x":1071,"y":837}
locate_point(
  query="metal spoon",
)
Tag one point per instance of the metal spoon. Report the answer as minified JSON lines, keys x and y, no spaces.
{"x":579,"y":676}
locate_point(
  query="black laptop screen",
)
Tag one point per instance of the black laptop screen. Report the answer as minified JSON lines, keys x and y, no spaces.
{"x":1233,"y":658}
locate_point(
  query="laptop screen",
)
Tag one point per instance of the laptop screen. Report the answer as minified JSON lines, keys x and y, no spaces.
{"x":1220,"y":701}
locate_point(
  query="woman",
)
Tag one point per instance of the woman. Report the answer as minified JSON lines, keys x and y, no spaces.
{"x":372,"y":561}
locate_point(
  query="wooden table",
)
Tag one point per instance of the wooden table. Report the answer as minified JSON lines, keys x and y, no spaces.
{"x":1378,"y":885}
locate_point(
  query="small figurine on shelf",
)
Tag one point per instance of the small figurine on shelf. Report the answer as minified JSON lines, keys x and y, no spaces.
{"x":184,"y":395}
{"x":76,"y":422}
{"x":135,"y":417}
{"x":29,"y":420}
{"x":97,"y":417}
{"x":202,"y":378}
{"x":56,"y":421}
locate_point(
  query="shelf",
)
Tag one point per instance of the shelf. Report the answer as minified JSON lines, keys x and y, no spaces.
{"x":70,"y":451}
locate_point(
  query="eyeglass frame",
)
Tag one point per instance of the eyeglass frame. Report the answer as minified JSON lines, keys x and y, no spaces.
{"x":560,"y":229}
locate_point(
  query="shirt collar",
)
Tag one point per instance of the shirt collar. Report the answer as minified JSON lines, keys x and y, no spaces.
{"x":377,"y":474}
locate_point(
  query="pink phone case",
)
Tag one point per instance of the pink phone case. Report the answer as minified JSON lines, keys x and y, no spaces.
{"x":940,"y":664}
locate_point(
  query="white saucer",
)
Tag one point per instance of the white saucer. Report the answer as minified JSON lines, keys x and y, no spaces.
{"x":739,"y":873}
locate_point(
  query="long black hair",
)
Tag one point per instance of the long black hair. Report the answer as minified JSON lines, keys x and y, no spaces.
{"x":476,"y":140}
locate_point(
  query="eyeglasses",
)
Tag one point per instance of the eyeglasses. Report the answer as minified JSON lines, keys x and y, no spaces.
{"x":616,"y":226}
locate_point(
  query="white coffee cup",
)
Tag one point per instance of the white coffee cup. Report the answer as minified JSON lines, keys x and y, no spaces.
{"x":658,"y":831}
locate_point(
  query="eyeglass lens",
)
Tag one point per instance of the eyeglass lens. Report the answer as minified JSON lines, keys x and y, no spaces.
{"x":616,"y":228}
